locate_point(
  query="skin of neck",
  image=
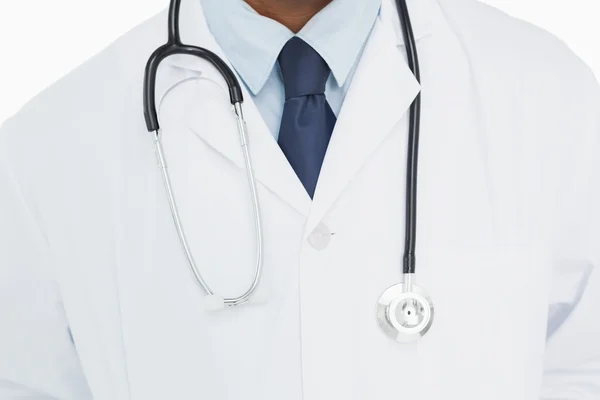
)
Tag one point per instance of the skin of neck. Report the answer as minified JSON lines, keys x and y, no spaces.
{"x":293,"y":14}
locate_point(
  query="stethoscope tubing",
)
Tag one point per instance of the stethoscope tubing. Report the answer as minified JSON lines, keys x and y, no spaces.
{"x":174,"y":46}
{"x":409,"y":260}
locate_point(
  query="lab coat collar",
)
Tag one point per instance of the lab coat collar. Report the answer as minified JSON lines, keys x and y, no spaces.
{"x":271,"y":168}
{"x":389,"y":85}
{"x":379,"y":98}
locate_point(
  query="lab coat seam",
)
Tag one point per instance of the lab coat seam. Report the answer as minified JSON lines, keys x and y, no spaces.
{"x":117,"y":263}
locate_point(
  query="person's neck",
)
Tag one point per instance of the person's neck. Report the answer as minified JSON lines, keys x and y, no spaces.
{"x":294,"y":14}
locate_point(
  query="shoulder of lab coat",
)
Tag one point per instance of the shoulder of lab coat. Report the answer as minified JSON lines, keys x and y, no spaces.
{"x":37,"y":355}
{"x":88,"y":100}
{"x":499,"y":36}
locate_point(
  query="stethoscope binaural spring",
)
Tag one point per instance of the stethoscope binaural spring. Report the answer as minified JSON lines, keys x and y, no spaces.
{"x":404,"y":311}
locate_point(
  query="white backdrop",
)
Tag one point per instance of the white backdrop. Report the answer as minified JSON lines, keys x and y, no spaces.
{"x":42,"y":40}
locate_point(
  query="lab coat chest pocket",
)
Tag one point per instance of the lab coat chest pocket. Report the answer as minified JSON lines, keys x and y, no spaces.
{"x":491,"y":317}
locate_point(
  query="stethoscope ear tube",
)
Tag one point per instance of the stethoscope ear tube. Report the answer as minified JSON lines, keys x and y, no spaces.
{"x":172,"y":47}
{"x":150,"y":112}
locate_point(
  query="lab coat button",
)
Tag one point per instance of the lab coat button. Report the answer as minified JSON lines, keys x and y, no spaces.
{"x":320,"y":237}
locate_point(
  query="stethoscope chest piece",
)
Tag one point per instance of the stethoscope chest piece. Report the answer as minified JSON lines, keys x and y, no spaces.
{"x":404,"y":311}
{"x":404,"y":315}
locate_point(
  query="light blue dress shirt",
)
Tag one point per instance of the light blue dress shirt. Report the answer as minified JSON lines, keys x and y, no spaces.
{"x":252,"y":43}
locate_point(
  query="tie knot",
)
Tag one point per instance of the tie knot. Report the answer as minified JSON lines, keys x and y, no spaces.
{"x":304,"y":70}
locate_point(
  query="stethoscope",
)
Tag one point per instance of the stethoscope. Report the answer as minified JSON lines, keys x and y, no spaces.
{"x":404,"y":311}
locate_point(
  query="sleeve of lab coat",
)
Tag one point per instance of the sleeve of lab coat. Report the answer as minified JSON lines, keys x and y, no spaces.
{"x":572,"y":364}
{"x":38,"y":360}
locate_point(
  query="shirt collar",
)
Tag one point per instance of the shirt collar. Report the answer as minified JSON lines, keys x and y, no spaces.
{"x":253,"y":42}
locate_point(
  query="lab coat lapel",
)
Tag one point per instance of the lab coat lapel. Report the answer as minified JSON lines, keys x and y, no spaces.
{"x":271,"y":167}
{"x":381,"y":93}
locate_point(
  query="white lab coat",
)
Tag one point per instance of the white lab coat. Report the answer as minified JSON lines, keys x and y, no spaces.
{"x":96,"y":298}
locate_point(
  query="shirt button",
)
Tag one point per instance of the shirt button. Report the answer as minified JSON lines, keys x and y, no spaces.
{"x":320,"y":237}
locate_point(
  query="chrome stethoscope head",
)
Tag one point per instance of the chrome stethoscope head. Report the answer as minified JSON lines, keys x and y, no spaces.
{"x":405,"y":311}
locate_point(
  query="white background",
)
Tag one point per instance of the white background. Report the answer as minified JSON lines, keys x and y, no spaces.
{"x":42,"y":40}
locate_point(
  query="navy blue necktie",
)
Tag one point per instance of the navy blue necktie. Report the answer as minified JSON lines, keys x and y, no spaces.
{"x":307,"y":121}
